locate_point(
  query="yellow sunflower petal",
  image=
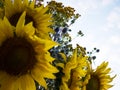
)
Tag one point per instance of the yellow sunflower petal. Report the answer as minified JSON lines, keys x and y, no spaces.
{"x":5,"y":79}
{"x":17,"y":85}
{"x":84,"y":88}
{"x":32,"y":4}
{"x":60,"y":65}
{"x":45,"y":73}
{"x":81,"y":72}
{"x":8,"y":8}
{"x":105,"y":80}
{"x":25,"y":2}
{"x":102,"y":71}
{"x":70,"y":65}
{"x":74,"y":88}
{"x":64,"y":86}
{"x":42,"y":9}
{"x":18,"y":4}
{"x":47,"y":55}
{"x":102,"y":66}
{"x":63,"y":56}
{"x":48,"y":43}
{"x":28,"y":84}
{"x":20,"y":25}
{"x":47,"y":67}
{"x":106,"y":87}
{"x":6,"y":30}
{"x":29,"y":29}
{"x":6,"y":27}
{"x":38,"y":77}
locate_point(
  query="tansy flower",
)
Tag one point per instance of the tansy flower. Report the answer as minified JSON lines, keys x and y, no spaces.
{"x":98,"y":79}
{"x":24,"y":57}
{"x":73,"y":71}
{"x":37,"y":15}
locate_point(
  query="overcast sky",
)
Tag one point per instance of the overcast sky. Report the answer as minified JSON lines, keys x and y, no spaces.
{"x":100,"y":22}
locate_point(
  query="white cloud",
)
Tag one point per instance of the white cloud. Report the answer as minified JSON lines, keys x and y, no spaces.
{"x":107,"y":2}
{"x":113,"y":20}
{"x":115,"y":40}
{"x":113,"y":17}
{"x":87,"y":4}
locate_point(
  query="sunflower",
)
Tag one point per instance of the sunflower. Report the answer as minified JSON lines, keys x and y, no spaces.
{"x":1,"y":13}
{"x":73,"y":71}
{"x":41,"y":20}
{"x":24,"y":57}
{"x":98,"y":79}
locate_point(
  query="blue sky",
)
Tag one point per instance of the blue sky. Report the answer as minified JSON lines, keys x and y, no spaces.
{"x":100,"y":22}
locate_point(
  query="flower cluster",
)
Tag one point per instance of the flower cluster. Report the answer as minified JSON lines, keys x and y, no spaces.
{"x":35,"y":50}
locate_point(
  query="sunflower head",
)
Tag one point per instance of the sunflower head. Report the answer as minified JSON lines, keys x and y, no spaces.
{"x":23,"y":56}
{"x":98,"y":79}
{"x":37,"y":15}
{"x":74,"y":70}
{"x":94,"y":83}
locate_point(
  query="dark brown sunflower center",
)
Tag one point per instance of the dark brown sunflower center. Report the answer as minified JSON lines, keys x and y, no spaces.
{"x":14,"y":19}
{"x":93,"y":84}
{"x":17,"y":56}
